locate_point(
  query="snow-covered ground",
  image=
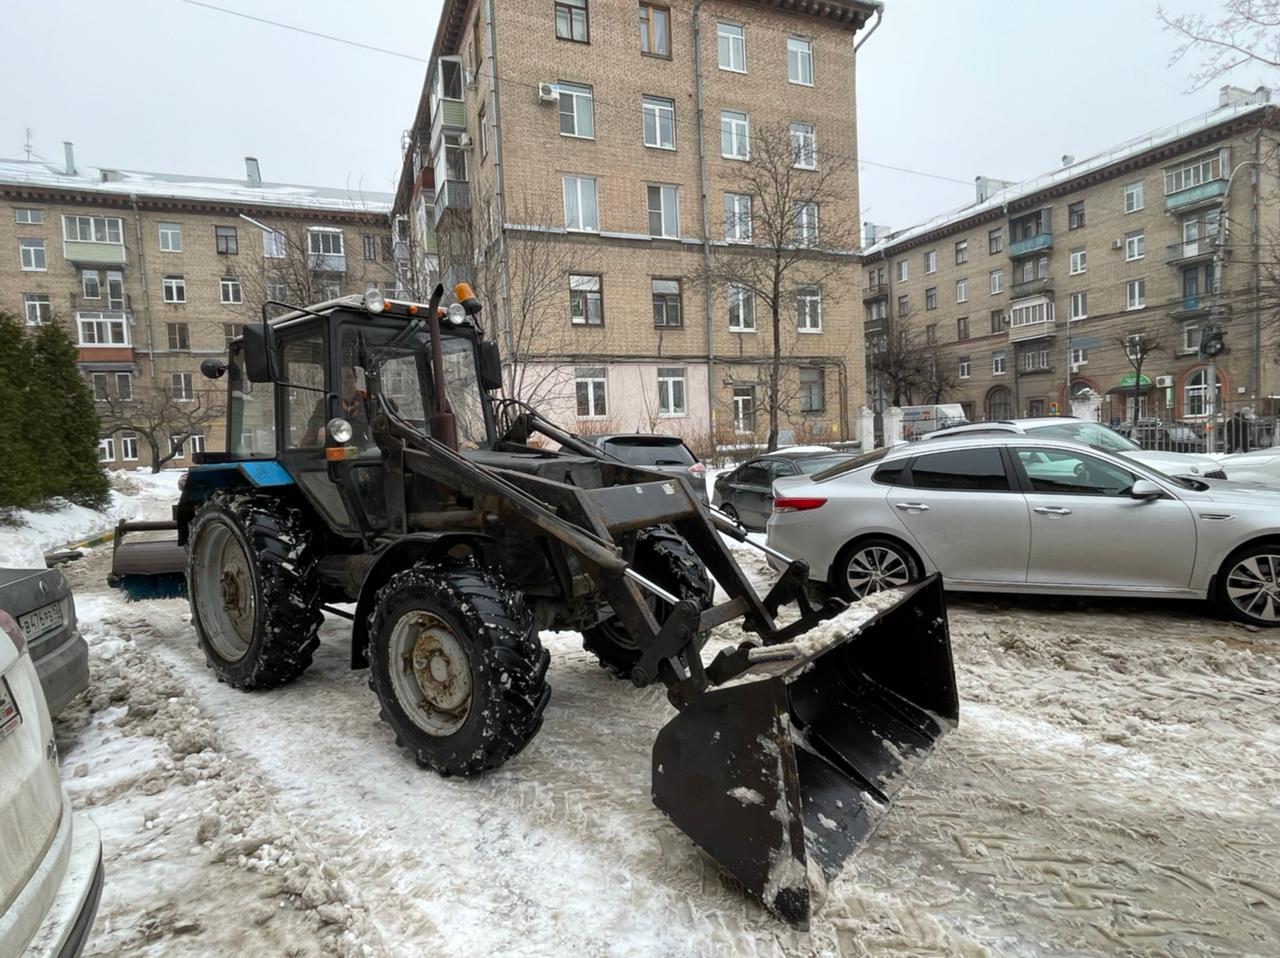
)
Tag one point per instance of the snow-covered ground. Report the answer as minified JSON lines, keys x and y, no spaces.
{"x":1113,"y":788}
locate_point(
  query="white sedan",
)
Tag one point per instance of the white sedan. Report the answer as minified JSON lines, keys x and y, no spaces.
{"x":1260,"y":465}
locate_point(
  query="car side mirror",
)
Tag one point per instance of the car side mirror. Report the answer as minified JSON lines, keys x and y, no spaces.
{"x":490,"y":366}
{"x":259,"y":344}
{"x":1145,"y":489}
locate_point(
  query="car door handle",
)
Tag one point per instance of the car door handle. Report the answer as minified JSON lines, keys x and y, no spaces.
{"x":1052,"y":510}
{"x":911,"y":506}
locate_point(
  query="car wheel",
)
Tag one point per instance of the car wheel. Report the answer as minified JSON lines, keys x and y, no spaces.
{"x":873,"y":565}
{"x":1249,"y":584}
{"x":731,"y":512}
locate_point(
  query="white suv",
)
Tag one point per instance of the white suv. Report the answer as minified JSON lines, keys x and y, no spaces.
{"x":50,"y":856}
{"x":1097,"y":435}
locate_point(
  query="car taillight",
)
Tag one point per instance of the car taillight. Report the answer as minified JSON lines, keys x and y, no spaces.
{"x":797,"y":503}
{"x":698,"y":469}
{"x":14,"y":631}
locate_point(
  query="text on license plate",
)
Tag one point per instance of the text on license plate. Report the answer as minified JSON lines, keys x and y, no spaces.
{"x":43,"y":618}
{"x":10,"y":717}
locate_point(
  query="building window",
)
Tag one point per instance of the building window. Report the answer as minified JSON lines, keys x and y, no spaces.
{"x":666,"y":303}
{"x":29,"y":216}
{"x":806,"y":218}
{"x":671,"y":392}
{"x":196,"y":439}
{"x":1197,"y":398}
{"x":102,"y":329}
{"x":1040,"y":311}
{"x":179,"y":336}
{"x":659,"y":122}
{"x":998,"y":324}
{"x":809,"y":309}
{"x":329,"y":291}
{"x":37,"y":307}
{"x":997,"y":281}
{"x":1195,"y":172}
{"x":277,"y":290}
{"x":1079,"y":305}
{"x":962,"y":291}
{"x":1075,"y":215}
{"x":962,"y":327}
{"x":589,"y":385}
{"x":997,"y":363}
{"x":931,"y":334}
{"x":732,"y":45}
{"x":576,"y":114}
{"x":903,"y":306}
{"x":31,"y":255}
{"x":177,"y":446}
{"x":963,"y":368}
{"x":1079,"y":261}
{"x":804,"y":150}
{"x":180,"y":384}
{"x":92,"y":229}
{"x":324,"y":243}
{"x":962,"y":252}
{"x":813,"y":392}
{"x":370,"y":244}
{"x":225,"y":239}
{"x":931,"y":261}
{"x":229,"y":290}
{"x":800,"y":61}
{"x":664,"y":212}
{"x":742,"y":309}
{"x":90,"y":284}
{"x":129,"y":446}
{"x":902,"y":271}
{"x":571,"y":20}
{"x":170,"y":238}
{"x":995,"y":241}
{"x":744,"y":408}
{"x":231,"y":331}
{"x":931,"y":298}
{"x":734,"y":135}
{"x":1033,"y":360}
{"x":1133,"y":197}
{"x":586,"y":300}
{"x":482,"y":125}
{"x":107,"y":449}
{"x":272,"y":244}
{"x":1135,"y":294}
{"x":655,"y":30}
{"x":1191,"y":336}
{"x":580,"y":211}
{"x":1079,"y":357}
{"x":737,"y":217}
{"x":1135,"y":245}
{"x":175,"y":289}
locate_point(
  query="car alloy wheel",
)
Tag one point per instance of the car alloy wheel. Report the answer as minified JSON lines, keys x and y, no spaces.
{"x":1253,"y":587}
{"x":876,"y":567}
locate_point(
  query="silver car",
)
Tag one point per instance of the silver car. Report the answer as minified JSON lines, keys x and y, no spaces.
{"x":1019,"y":513}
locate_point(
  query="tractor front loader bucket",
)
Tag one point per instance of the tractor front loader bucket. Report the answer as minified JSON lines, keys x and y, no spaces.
{"x":798,"y":758}
{"x":148,"y":568}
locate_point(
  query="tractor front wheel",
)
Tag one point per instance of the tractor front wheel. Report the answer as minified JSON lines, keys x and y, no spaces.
{"x":456,"y":664}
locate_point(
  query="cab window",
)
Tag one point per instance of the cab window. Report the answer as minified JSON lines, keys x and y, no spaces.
{"x":251,"y":413}
{"x":306,"y":409}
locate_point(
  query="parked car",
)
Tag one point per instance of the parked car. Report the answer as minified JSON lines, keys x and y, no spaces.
{"x":51,"y":866}
{"x":1024,"y":513}
{"x":746,"y":493}
{"x":1261,"y":466}
{"x":1097,"y":435}
{"x":661,"y":453}
{"x":41,"y":602}
{"x":1164,"y":435}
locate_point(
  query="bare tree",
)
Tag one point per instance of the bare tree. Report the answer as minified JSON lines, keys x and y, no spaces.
{"x":1137,"y":347}
{"x":164,"y":418}
{"x":795,"y":228}
{"x":909,"y":367}
{"x":1243,"y":32}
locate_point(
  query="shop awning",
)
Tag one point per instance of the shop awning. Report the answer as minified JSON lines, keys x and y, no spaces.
{"x":1126,"y":385}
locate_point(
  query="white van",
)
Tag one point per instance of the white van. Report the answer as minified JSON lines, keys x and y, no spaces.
{"x":50,"y":856}
{"x":919,"y":421}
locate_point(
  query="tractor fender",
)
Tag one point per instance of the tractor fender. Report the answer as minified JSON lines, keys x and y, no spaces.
{"x":203,"y":480}
{"x":402,"y":553}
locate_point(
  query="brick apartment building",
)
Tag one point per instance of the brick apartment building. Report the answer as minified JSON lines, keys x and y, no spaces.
{"x":1041,"y":281}
{"x":583,"y":162}
{"x":153,"y":272}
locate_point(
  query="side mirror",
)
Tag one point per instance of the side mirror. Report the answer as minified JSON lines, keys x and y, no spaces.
{"x":490,"y":366}
{"x":259,"y":344}
{"x":1145,"y":489}
{"x":213,"y":368}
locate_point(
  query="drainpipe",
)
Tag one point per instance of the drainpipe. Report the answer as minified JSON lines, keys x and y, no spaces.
{"x":706,"y":219}
{"x":495,"y":120}
{"x":1256,"y":386}
{"x":874,"y":27}
{"x":146,"y":292}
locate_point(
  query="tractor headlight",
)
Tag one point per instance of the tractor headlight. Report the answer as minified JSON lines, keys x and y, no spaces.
{"x":374,"y":302}
{"x":456,"y":314}
{"x":340,"y":430}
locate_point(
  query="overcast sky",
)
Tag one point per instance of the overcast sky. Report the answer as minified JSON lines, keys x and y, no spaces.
{"x":998,"y":87}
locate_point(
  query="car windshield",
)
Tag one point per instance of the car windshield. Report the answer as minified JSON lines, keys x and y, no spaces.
{"x":809,"y":466}
{"x":650,"y":453}
{"x":1090,"y":433}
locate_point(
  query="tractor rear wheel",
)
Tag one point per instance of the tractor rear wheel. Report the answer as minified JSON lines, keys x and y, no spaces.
{"x":457,"y":666}
{"x":665,"y":558}
{"x":254,"y":589}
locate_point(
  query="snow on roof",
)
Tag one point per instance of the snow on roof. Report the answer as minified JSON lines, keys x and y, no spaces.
{"x":1141,"y":144}
{"x":31,"y":173}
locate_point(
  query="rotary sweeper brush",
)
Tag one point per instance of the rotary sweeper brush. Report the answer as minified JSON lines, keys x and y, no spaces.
{"x":368,"y":463}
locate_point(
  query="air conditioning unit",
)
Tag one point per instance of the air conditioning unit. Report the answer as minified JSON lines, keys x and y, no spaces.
{"x":464,"y":140}
{"x":469,"y":78}
{"x":1164,"y":382}
{"x":1117,"y":244}
{"x":548,"y":93}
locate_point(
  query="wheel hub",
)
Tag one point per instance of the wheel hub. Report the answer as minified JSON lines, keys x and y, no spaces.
{"x":434,"y":674}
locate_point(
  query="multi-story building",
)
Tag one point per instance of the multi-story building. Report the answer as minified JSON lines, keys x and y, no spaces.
{"x":1029,"y":299}
{"x":586,"y":163}
{"x":153,"y":272}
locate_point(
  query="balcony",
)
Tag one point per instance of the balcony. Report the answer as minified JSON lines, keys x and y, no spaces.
{"x":1203,"y":193}
{"x":1190,"y":306}
{"x":328,"y":262}
{"x":104,"y":336}
{"x":1031,"y":287}
{"x":94,"y":254}
{"x":447,"y":115}
{"x":1191,"y":251}
{"x":1031,"y":331}
{"x":1032,"y":244}
{"x":453,"y":195}
{"x":875,"y":291}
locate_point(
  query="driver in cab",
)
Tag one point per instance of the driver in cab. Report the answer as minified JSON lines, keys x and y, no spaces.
{"x":353,"y":406}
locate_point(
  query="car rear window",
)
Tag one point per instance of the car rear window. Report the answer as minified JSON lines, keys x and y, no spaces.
{"x":965,"y":469}
{"x":809,"y":466}
{"x":651,"y":453}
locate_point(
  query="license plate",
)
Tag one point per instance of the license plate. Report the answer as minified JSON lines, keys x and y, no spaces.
{"x":10,"y":717}
{"x":41,"y":620}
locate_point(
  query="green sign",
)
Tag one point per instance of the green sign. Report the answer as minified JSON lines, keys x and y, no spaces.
{"x":1126,"y":382}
